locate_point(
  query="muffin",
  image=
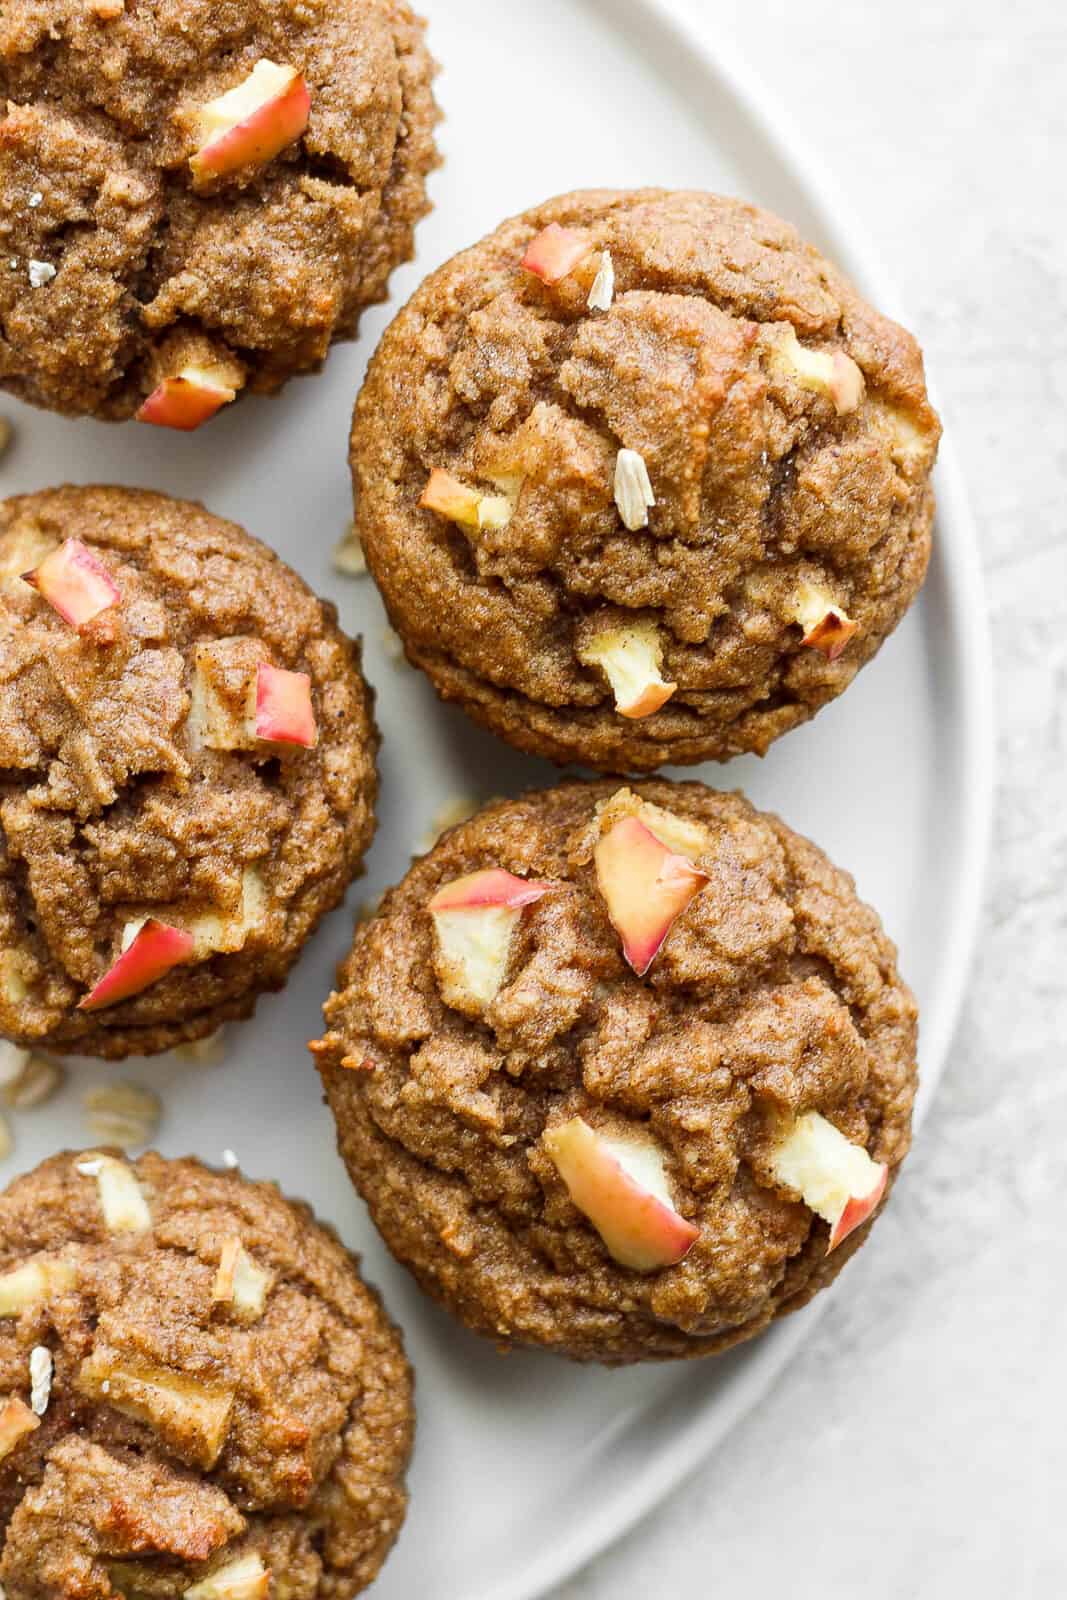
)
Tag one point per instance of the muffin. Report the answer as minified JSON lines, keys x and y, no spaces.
{"x":199,"y":199}
{"x":188,"y":770}
{"x":622,"y":1072}
{"x":202,"y":1394}
{"x":643,"y":480}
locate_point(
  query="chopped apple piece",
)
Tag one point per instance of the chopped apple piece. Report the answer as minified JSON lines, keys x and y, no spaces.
{"x":621,"y":1186}
{"x":450,"y":498}
{"x":223,"y":693}
{"x":189,"y":398}
{"x":684,"y":837}
{"x":284,"y":713}
{"x":827,"y":628}
{"x":16,"y":1421}
{"x":467,"y":507}
{"x":633,"y":490}
{"x":646,"y":888}
{"x":75,"y":583}
{"x":630,"y":657}
{"x":829,"y":373}
{"x":24,"y":547}
{"x":154,"y":950}
{"x":215,"y":933}
{"x":238,"y":699}
{"x":250,"y":124}
{"x":12,"y":983}
{"x":34,"y":1284}
{"x":245,"y":1579}
{"x":240,"y":1282}
{"x":835,"y":1178}
{"x":474,"y":919}
{"x":122,"y":1200}
{"x":555,"y":252}
{"x":189,"y":1414}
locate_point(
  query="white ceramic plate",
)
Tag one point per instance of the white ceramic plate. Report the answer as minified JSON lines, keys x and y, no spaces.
{"x":527,"y":1466}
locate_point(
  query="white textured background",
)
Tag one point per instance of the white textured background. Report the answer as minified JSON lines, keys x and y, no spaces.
{"x":918,"y":1446}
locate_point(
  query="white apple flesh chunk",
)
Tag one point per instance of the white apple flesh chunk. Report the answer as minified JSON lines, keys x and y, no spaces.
{"x":474,"y":918}
{"x":284,"y":713}
{"x":680,"y":834}
{"x":827,"y":628}
{"x":646,"y":887}
{"x":630,"y":657}
{"x":34,"y":1284}
{"x":244,"y":1579}
{"x":240,"y":1281}
{"x":467,"y":507}
{"x":16,"y":1421}
{"x":830,"y":373}
{"x":222,"y":692}
{"x":835,"y":1178}
{"x":122,"y":1200}
{"x":189,"y":1413}
{"x":252,"y":123}
{"x":155,"y":948}
{"x":75,"y":583}
{"x":554,"y":253}
{"x":189,"y":398}
{"x":621,"y":1186}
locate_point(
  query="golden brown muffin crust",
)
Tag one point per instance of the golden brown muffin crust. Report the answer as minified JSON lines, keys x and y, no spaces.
{"x":265,"y":268}
{"x":124,"y":1488}
{"x":107,"y":811}
{"x":776,"y":993}
{"x":759,"y":484}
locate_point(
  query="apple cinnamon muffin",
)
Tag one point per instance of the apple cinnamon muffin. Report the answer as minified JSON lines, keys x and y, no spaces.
{"x":622,"y":1072}
{"x":199,"y":199}
{"x":202,"y":1399}
{"x":187,"y":770}
{"x":643,"y":479}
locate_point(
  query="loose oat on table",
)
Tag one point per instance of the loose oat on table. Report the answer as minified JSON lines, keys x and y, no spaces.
{"x":622,"y":1072}
{"x":123,"y":1114}
{"x":348,"y":555}
{"x":38,"y":1082}
{"x":158,"y":255}
{"x":189,"y":1439}
{"x":188,"y":753}
{"x":13,"y":1062}
{"x":591,"y":515}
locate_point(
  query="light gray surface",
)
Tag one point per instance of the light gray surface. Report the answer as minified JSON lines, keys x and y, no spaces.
{"x":916,"y":1446}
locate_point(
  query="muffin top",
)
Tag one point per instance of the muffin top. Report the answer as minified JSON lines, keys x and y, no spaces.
{"x":200,"y":1390}
{"x":188,"y":769}
{"x":643,"y":479}
{"x":141,"y":245}
{"x":613,"y":1067}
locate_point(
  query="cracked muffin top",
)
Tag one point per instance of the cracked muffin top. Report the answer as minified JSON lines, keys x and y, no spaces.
{"x":199,"y":198}
{"x":203,"y":1400}
{"x":622,"y":1072}
{"x":187,"y":770}
{"x":643,"y":479}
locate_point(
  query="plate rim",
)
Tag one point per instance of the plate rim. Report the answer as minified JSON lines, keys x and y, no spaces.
{"x":971,"y":656}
